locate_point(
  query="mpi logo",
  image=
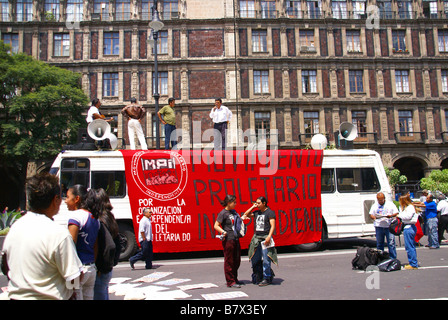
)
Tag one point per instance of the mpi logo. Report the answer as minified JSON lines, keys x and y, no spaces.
{"x":159,"y":171}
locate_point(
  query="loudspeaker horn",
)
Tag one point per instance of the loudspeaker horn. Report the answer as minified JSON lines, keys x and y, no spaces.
{"x":98,"y":129}
{"x":319,"y":142}
{"x":348,"y":131}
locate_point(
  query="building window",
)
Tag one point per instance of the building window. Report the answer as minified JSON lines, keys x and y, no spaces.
{"x":359,"y":9}
{"x":359,"y":120}
{"x":293,"y":9}
{"x":247,"y":9}
{"x":430,"y":9}
{"x":52,"y":12}
{"x":446,"y":118}
{"x":405,"y":9}
{"x":355,"y":80}
{"x":339,"y":9}
{"x":111,"y":43}
{"x":309,"y":81}
{"x":405,"y":123}
{"x":385,"y":9}
{"x":444,"y":80}
{"x":122,"y":10}
{"x":353,"y":41}
{"x":306,"y":38}
{"x":262,"y":123}
{"x":101,"y":8}
{"x":261,"y":81}
{"x":163,"y":83}
{"x":399,"y":40}
{"x":163,"y":42}
{"x":4,"y":10}
{"x":74,"y":10}
{"x":110,"y":84}
{"x":146,"y":9}
{"x":311,"y":120}
{"x":61,"y":45}
{"x":259,"y":41}
{"x":12,"y":39}
{"x":443,"y":40}
{"x":268,"y":9}
{"x":402,"y":80}
{"x":314,"y":8}
{"x":24,"y":10}
{"x":170,"y":9}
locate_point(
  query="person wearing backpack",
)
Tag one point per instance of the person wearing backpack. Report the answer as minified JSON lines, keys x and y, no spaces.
{"x":109,"y":247}
{"x":407,"y":213}
{"x":261,"y":248}
{"x":224,"y":224}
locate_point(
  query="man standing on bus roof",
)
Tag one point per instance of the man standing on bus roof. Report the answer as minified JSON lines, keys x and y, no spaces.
{"x":382,"y":212}
{"x":221,"y":116}
{"x":135,"y":113}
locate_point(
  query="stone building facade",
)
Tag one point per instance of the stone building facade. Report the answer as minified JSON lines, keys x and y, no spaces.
{"x":294,"y":68}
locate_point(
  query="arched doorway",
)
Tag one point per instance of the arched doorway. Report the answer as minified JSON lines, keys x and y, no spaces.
{"x":444,"y":164}
{"x":412,"y":168}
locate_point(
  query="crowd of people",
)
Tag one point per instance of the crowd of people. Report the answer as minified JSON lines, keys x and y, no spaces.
{"x":428,"y":216}
{"x":62,"y":262}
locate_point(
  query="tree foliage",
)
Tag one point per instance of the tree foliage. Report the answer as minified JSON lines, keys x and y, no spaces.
{"x":42,"y":106}
{"x":395,"y":177}
{"x":40,"y":110}
{"x":437,"y":180}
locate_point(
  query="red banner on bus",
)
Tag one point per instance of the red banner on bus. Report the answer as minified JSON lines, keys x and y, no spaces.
{"x":184,"y":189}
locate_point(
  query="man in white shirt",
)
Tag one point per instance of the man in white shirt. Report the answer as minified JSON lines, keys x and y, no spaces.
{"x":40,"y":254}
{"x":221,"y":116}
{"x":94,"y":112}
{"x":442,"y":207}
{"x":381,"y":212}
{"x":145,"y":239}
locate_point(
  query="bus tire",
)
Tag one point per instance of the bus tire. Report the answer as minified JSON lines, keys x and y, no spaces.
{"x":127,"y":239}
{"x":314,"y":246}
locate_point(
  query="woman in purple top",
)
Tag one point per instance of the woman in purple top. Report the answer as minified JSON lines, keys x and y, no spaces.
{"x":83,"y":227}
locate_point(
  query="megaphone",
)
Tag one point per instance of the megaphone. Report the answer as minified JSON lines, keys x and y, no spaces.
{"x":99,"y":130}
{"x":348,"y":131}
{"x":346,"y":134}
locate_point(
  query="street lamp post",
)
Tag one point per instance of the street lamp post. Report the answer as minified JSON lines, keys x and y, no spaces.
{"x":156,"y":25}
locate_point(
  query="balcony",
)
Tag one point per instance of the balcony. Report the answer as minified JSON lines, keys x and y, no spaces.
{"x":410,"y":136}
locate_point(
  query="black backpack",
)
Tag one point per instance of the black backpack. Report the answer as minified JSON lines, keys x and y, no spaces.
{"x":366,"y":256}
{"x":108,"y":250}
{"x":389,"y":265}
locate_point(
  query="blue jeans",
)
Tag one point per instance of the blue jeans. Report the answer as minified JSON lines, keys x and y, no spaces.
{"x":409,"y":243}
{"x":261,"y":254}
{"x":432,"y":231}
{"x":169,"y":128}
{"x":144,"y":254}
{"x":101,"y":290}
{"x":390,"y":238}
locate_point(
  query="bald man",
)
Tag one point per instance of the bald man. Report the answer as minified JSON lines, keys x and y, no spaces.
{"x":382,"y":212}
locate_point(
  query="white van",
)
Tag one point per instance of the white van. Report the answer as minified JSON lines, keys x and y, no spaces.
{"x":350,"y":180}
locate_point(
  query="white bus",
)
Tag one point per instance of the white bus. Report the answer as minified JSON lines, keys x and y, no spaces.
{"x":350,"y":180}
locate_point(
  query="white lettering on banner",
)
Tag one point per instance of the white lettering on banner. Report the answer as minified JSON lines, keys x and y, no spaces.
{"x":163,"y":217}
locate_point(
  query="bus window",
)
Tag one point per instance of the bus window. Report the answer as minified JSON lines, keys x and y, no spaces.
{"x":357,"y":180}
{"x":74,"y":171}
{"x":113,"y":182}
{"x":327,"y":181}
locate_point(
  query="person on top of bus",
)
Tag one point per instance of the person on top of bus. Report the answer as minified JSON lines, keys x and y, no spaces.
{"x":230,"y":241}
{"x":261,"y":248}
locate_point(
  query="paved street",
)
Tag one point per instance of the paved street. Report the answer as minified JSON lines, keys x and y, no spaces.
{"x":326,"y":274}
{"x":322,"y":275}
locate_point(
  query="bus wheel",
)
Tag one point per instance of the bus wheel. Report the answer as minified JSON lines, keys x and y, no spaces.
{"x":314,"y":246}
{"x":127,"y":239}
